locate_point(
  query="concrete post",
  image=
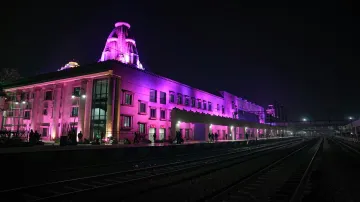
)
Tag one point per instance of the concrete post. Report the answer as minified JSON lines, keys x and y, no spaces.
{"x":56,"y":111}
{"x":117,"y":104}
{"x":36,"y":108}
{"x":82,"y":102}
{"x":173,"y":124}
{"x":110,"y":109}
{"x":88,"y":104}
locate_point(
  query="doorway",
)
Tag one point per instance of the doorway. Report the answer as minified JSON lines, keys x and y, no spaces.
{"x":151,"y":134}
{"x":44,"y":132}
{"x":162,"y":134}
{"x":187,"y":134}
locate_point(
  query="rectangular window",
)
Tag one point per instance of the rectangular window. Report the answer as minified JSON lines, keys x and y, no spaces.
{"x":152,"y":113}
{"x":27,"y":115}
{"x":9,"y":113}
{"x":233,"y":105}
{"x":209,"y":106}
{"x":162,"y":98}
{"x":193,"y":102}
{"x":179,"y":99}
{"x":28,"y":105}
{"x":76,"y":91}
{"x":126,"y":122}
{"x":163,"y":114}
{"x":218,"y":107}
{"x":74,"y":111}
{"x":142,"y":128}
{"x":45,"y":112}
{"x":187,"y":101}
{"x":22,"y":96}
{"x":101,"y":90}
{"x":223,"y":109}
{"x":172,"y":97}
{"x":153,"y":94}
{"x":142,"y":108}
{"x":48,"y":95}
{"x":128,"y":98}
{"x":199,"y":103}
{"x":204,"y":105}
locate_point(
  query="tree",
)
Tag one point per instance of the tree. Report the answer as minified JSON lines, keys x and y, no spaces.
{"x":8,"y":75}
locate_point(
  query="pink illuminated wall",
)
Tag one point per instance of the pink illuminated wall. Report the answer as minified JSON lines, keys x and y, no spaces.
{"x":140,"y":83}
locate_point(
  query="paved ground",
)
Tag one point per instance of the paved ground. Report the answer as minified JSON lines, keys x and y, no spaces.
{"x":50,"y":146}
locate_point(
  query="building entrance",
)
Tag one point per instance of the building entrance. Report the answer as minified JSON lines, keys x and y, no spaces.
{"x":162,"y":134}
{"x":151,"y":134}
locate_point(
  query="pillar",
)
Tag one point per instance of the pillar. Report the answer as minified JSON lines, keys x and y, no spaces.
{"x":87,"y":114}
{"x":117,"y":104}
{"x":2,"y":112}
{"x":56,"y":111}
{"x":35,"y":112}
{"x":110,"y":109}
{"x":82,"y":102}
{"x":174,"y":126}
{"x":207,"y":131}
{"x":231,"y":132}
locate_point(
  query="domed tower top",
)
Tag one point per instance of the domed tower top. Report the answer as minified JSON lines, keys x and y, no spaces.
{"x":71,"y":64}
{"x":120,"y":47}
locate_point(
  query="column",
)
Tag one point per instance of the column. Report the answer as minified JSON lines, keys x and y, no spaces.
{"x":88,"y":104}
{"x":173,"y":124}
{"x":82,"y":101}
{"x":36,"y":105}
{"x":2,"y":112}
{"x":117,"y":105}
{"x":231,"y":132}
{"x":110,"y":109}
{"x":56,"y":111}
{"x":207,"y":131}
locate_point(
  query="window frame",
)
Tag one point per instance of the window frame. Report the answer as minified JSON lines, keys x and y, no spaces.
{"x":162,"y":100}
{"x":161,"y":118}
{"x":150,"y":115}
{"x":126,"y":92}
{"x":172,"y":97}
{"x":123,"y":121}
{"x":153,"y":98}
{"x":139,"y":110}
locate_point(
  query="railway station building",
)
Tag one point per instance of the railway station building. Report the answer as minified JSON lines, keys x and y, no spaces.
{"x":117,"y":96}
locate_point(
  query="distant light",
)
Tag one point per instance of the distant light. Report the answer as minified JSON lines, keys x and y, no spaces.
{"x":23,"y":102}
{"x":83,"y":96}
{"x":16,"y":103}
{"x":304,"y":119}
{"x":73,"y":96}
{"x":351,"y":118}
{"x":232,"y":127}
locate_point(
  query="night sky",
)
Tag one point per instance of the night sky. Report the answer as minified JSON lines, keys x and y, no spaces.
{"x":304,"y":55}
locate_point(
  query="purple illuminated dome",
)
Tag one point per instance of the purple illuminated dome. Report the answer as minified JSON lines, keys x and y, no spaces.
{"x":120,"y":47}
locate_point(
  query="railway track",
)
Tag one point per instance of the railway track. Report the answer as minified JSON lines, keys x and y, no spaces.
{"x":346,"y":146}
{"x":163,"y":159}
{"x":282,"y":180}
{"x":68,"y":188}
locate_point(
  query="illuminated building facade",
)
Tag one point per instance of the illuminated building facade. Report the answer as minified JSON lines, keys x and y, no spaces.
{"x":117,"y":97}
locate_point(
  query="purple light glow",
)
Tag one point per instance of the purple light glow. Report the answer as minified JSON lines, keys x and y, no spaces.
{"x":119,"y":47}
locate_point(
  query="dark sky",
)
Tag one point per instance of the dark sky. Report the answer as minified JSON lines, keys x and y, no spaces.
{"x":304,"y":55}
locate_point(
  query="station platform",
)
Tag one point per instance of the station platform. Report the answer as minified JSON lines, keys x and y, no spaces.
{"x":51,"y":146}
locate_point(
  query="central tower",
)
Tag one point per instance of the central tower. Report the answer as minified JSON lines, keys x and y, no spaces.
{"x":119,"y":46}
